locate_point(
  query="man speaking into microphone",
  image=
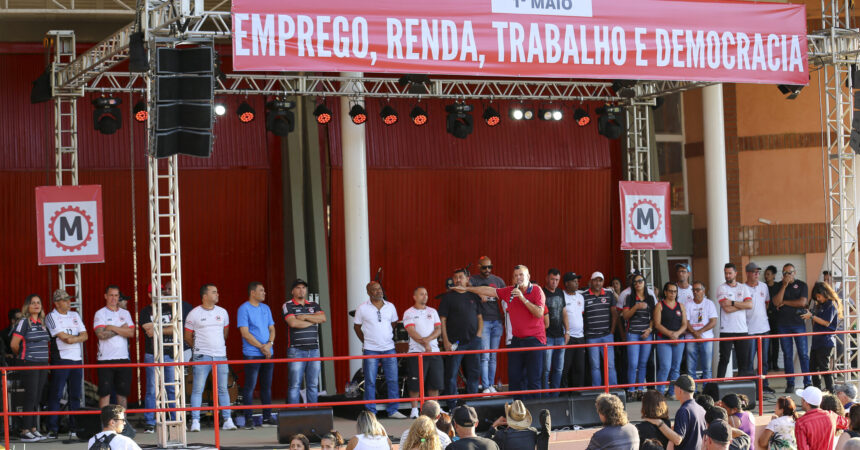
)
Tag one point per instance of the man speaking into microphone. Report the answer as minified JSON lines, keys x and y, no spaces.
{"x":527,"y":310}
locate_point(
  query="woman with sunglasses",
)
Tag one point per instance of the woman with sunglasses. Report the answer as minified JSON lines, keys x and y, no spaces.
{"x":638,"y":313}
{"x":670,"y":321}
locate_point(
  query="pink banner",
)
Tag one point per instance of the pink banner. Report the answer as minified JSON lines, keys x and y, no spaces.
{"x":596,"y":39}
{"x":645,"y":215}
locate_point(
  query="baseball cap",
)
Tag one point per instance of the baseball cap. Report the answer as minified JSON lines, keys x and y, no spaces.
{"x":686,"y":383}
{"x":61,"y":294}
{"x":570,"y":276}
{"x":682,"y":266}
{"x":752,"y":267}
{"x":719,"y":431}
{"x":811,"y":394}
{"x":299,"y":281}
{"x":465,"y":416}
{"x":597,"y":275}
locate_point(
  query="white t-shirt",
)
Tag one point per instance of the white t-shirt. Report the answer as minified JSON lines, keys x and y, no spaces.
{"x":685,"y":295}
{"x":735,"y":322}
{"x":119,"y":442}
{"x":117,"y":346}
{"x":208,"y":327}
{"x":622,"y":297}
{"x":574,"y":305}
{"x":376,"y":325}
{"x":71,"y":324}
{"x":698,"y":315}
{"x":757,"y":316}
{"x":424,"y":321}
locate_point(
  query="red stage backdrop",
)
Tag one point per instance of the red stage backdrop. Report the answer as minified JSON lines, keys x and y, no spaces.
{"x":606,"y":39}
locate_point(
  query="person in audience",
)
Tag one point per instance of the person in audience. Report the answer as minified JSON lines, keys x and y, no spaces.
{"x":514,"y":430}
{"x":422,"y":435}
{"x":701,"y":320}
{"x":371,"y":434}
{"x":465,"y":420}
{"x":445,"y":425}
{"x":829,"y":402}
{"x":690,"y":422}
{"x":651,"y":444}
{"x":670,"y":321}
{"x":300,"y":442}
{"x":705,"y":401}
{"x":851,"y":444}
{"x":433,"y":411}
{"x":638,"y":312}
{"x":31,"y":341}
{"x":816,"y":429}
{"x":734,"y":299}
{"x":846,"y":393}
{"x":493,"y":321}
{"x":113,"y":421}
{"x":853,"y":430}
{"x":792,"y":301}
{"x":654,"y":413}
{"x":67,"y":333}
{"x":779,"y":432}
{"x":717,"y":436}
{"x":332,"y":441}
{"x":617,"y":433}
{"x":757,"y":323}
{"x":735,"y":406}
{"x":738,"y":440}
{"x":826,"y":312}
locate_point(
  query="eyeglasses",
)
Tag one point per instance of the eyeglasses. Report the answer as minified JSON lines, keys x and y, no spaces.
{"x":671,"y":291}
{"x":378,"y":315}
{"x":638,"y":281}
{"x":788,"y":273}
{"x":490,"y":266}
{"x":698,"y":289}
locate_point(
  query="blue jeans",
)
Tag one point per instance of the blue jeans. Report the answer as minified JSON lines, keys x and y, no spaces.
{"x":389,"y":366}
{"x":471,"y":369}
{"x":668,"y":362}
{"x":788,"y":352}
{"x":201,"y":372}
{"x":553,"y":365}
{"x":700,"y":356}
{"x":59,"y":379}
{"x":525,"y":369}
{"x":492,"y":334}
{"x":309,"y":370}
{"x":765,"y":345}
{"x":637,"y":360}
{"x":149,"y":401}
{"x":595,"y":358}
{"x":252,"y":372}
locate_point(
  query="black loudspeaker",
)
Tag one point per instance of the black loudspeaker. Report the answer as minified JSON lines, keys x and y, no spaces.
{"x":559,"y":409}
{"x":489,"y":409}
{"x":718,"y":390}
{"x":87,"y":425}
{"x":583,"y":410}
{"x":312,"y":422}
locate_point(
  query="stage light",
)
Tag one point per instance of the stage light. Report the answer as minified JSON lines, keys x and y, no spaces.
{"x":459,"y":122}
{"x":220,"y":109}
{"x":245,"y":112}
{"x":106,"y":116}
{"x":791,"y":90}
{"x":624,"y":88}
{"x":418,"y":115}
{"x":550,"y":114}
{"x":41,"y":91}
{"x":358,"y":114}
{"x":279,"y":119}
{"x":323,"y":114}
{"x":140,"y":112}
{"x":581,"y":117}
{"x":521,"y":112}
{"x":517,"y":113}
{"x":491,"y":116}
{"x":389,"y":115}
{"x":609,"y":122}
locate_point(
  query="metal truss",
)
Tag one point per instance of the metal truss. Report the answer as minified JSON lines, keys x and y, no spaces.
{"x":638,"y":168}
{"x":652,"y":89}
{"x":840,"y":169}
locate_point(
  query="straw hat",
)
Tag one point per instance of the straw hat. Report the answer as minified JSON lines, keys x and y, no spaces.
{"x":518,"y":416}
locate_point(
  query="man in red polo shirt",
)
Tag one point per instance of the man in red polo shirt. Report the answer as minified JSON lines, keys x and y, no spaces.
{"x":527,"y":311}
{"x":816,"y":428}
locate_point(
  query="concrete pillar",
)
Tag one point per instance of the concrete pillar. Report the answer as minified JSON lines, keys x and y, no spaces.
{"x":357,"y":230}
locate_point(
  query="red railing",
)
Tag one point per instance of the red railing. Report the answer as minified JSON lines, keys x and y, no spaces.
{"x":216,"y":408}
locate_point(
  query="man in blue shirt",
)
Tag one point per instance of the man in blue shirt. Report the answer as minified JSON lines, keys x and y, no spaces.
{"x":258,"y":336}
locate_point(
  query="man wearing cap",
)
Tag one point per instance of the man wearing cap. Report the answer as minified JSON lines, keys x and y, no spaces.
{"x":734,"y":299}
{"x":147,"y":318}
{"x":493,"y":321}
{"x":717,"y":436}
{"x":68,"y":333}
{"x":600,"y":317}
{"x":526,"y":306}
{"x":303,"y":318}
{"x":573,"y":374}
{"x":113,"y":326}
{"x":689,"y":420}
{"x":374,"y":325}
{"x":257,"y":327}
{"x":462,"y":325}
{"x":465,"y":420}
{"x":757,"y":323}
{"x":682,"y":280}
{"x":738,"y":440}
{"x":554,"y":361}
{"x":113,"y":421}
{"x":791,"y":302}
{"x":816,"y":428}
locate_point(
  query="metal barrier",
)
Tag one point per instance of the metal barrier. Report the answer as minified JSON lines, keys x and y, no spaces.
{"x":216,"y":408}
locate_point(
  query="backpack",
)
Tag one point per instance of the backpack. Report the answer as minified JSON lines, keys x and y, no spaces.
{"x":103,"y":443}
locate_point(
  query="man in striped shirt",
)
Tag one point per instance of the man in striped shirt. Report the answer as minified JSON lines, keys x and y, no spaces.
{"x":816,"y":428}
{"x":600,"y":317}
{"x":303,"y":318}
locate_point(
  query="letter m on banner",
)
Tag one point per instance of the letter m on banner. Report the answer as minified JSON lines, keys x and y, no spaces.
{"x":69,"y":224}
{"x":645,"y":216}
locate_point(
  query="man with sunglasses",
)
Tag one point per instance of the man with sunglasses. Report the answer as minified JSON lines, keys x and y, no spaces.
{"x":113,"y":422}
{"x":492,"y":316}
{"x":791,"y":302}
{"x":374,"y":325}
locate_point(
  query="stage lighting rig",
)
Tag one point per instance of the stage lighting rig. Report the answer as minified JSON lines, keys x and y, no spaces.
{"x":609,"y":121}
{"x":140,"y":112}
{"x":581,"y":117}
{"x":459,"y":122}
{"x":520,"y":112}
{"x":322,"y":114}
{"x":358,"y":114}
{"x":550,"y":113}
{"x":246,"y":113}
{"x":280,"y":120}
{"x":491,"y":116}
{"x":418,"y":115}
{"x":389,"y":115}
{"x":106,"y":115}
{"x":220,"y":109}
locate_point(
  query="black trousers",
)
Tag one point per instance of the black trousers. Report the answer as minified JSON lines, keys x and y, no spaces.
{"x":33,"y":382}
{"x":819,"y":360}
{"x":575,"y":369}
{"x":742,"y":348}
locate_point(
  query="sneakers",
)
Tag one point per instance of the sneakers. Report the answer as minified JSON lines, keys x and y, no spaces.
{"x":51,"y":435}
{"x":414,"y":413}
{"x":789,"y":389}
{"x":149,"y":429}
{"x":39,"y":435}
{"x":249,"y":424}
{"x":768,"y":389}
{"x":229,"y":425}
{"x":29,"y":436}
{"x":492,"y":389}
{"x":269,"y":422}
{"x":73,"y":436}
{"x":487,"y":391}
{"x":397,"y":415}
{"x":195,"y":425}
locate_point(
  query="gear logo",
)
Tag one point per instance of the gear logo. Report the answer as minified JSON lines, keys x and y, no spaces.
{"x":645,"y":219}
{"x":70,"y":228}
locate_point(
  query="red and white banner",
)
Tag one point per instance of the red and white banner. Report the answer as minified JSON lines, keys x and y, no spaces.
{"x":645,"y":215}
{"x":69,"y":224}
{"x":754,"y":42}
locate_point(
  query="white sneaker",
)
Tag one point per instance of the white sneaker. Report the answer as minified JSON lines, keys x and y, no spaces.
{"x":195,"y":425}
{"x":487,"y":391}
{"x":492,"y":389}
{"x":414,"y":413}
{"x":28,"y":436}
{"x":73,"y":436}
{"x":397,"y":415}
{"x":229,"y":425}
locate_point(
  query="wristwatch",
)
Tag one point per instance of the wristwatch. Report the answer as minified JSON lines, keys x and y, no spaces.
{"x":733,"y":303}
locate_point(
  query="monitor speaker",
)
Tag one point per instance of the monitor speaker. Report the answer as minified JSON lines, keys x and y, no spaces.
{"x":312,"y":422}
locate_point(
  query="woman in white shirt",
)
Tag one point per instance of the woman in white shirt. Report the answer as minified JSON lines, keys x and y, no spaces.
{"x":371,"y":434}
{"x":779,"y":433}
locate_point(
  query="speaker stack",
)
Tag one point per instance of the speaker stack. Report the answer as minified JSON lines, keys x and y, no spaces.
{"x":312,"y":422}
